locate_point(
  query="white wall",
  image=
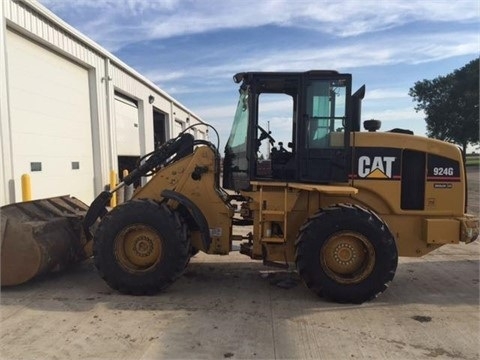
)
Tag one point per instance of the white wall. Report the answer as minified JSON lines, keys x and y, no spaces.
{"x":103,"y":73}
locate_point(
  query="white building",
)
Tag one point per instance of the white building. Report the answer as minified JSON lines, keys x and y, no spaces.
{"x":70,"y":111}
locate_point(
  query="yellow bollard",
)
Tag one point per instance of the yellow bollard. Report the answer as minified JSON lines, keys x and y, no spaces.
{"x":26,"y":188}
{"x":113,"y":183}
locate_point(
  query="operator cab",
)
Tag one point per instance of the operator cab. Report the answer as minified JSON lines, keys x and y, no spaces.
{"x":291,"y":127}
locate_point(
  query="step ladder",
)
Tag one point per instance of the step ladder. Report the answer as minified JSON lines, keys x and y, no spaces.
{"x":266,"y":217}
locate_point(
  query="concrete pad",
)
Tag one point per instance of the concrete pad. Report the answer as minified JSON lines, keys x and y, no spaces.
{"x":233,"y":307}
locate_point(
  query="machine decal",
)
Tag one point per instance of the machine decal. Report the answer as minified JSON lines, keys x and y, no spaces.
{"x":442,"y":169}
{"x":377,"y":164}
{"x":442,"y":186}
{"x":379,"y":167}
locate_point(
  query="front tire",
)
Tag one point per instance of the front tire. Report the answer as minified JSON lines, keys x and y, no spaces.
{"x":141,"y":247}
{"x":346,"y":253}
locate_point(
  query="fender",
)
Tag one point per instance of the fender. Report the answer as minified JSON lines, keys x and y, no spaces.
{"x":195,"y":213}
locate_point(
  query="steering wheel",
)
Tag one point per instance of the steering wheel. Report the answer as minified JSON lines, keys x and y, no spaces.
{"x":265,"y":135}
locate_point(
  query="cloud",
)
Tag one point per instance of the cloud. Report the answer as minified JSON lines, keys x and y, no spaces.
{"x":386,"y":93}
{"x":406,"y":115}
{"x":159,"y":76}
{"x":130,"y":21}
{"x":408,"y":49}
{"x":411,"y":49}
{"x":218,"y":114}
{"x":353,"y":36}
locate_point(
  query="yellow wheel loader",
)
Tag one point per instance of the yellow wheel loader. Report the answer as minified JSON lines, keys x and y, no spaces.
{"x":339,"y":203}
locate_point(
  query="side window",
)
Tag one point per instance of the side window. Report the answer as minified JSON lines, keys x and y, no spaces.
{"x":274,"y":131}
{"x":325,"y":106}
{"x":275,"y":113}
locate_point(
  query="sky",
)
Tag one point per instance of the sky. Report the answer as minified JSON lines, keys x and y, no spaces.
{"x":192,"y":48}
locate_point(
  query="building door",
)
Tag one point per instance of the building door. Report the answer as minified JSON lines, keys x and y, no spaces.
{"x":50,"y":119}
{"x":159,"y":127}
{"x":126,"y":125}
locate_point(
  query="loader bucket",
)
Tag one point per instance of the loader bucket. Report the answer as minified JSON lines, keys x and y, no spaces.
{"x":40,"y":236}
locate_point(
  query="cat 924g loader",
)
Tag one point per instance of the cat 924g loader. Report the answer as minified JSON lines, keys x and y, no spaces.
{"x":340,"y":203}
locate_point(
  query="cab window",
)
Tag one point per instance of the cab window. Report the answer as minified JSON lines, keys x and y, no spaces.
{"x":325,"y":113}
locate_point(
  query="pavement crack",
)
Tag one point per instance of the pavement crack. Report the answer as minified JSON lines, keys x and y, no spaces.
{"x":272,"y":323}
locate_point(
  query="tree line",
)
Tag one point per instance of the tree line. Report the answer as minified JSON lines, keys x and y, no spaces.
{"x":451,"y":105}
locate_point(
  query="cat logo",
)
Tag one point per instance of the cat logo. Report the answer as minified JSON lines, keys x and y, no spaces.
{"x":378,"y":167}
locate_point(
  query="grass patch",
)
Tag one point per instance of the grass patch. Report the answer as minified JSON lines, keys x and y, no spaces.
{"x":473,"y":160}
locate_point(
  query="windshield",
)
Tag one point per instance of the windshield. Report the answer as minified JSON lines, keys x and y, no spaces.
{"x":235,"y":163}
{"x":237,"y":142}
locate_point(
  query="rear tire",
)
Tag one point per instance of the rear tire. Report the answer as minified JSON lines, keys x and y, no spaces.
{"x":141,"y":247}
{"x":346,"y":253}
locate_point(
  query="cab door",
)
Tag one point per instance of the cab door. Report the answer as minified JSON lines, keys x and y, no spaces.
{"x":324,"y":128}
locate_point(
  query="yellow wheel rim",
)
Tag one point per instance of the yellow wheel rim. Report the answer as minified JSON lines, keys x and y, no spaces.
{"x":347,"y":257}
{"x":138,"y":247}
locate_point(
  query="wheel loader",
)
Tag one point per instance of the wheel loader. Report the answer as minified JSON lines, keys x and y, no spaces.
{"x":339,"y":203}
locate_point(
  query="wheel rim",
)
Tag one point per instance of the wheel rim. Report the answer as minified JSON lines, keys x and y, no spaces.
{"x":138,"y":247}
{"x":347,"y":257}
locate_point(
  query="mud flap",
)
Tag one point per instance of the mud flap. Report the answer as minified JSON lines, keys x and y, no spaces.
{"x":40,"y":236}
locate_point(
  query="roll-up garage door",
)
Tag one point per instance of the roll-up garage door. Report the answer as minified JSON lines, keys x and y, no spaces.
{"x":50,"y":121}
{"x":126,"y":124}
